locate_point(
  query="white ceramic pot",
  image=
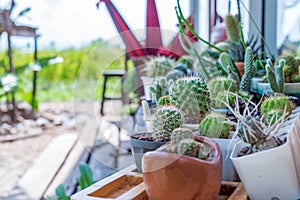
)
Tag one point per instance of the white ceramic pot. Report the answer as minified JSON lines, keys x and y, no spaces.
{"x":289,"y":88}
{"x":273,"y":173}
{"x":254,"y":82}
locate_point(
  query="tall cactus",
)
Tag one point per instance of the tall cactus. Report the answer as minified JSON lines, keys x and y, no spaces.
{"x":232,"y":29}
{"x":276,"y":76}
{"x":245,"y":83}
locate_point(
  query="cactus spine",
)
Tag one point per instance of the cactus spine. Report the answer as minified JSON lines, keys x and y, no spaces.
{"x":214,"y":126}
{"x":188,"y":147}
{"x":245,"y":83}
{"x":276,"y":76}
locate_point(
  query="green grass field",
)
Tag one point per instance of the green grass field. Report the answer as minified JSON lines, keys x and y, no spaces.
{"x":78,"y":76}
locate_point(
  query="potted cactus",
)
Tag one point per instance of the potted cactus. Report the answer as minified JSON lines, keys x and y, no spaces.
{"x":155,"y":67}
{"x":159,"y":128}
{"x":190,"y":94}
{"x":217,"y":126}
{"x":188,"y":167}
{"x":281,"y":77}
{"x":266,"y":153}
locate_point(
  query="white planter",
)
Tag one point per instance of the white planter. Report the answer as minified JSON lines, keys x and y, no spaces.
{"x":289,"y":88}
{"x":254,"y":82}
{"x":228,"y":171}
{"x":147,"y":82}
{"x":274,"y":173}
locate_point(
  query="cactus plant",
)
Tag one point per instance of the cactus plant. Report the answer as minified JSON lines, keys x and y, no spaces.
{"x":188,"y":147}
{"x":191,"y":96}
{"x":232,"y":28}
{"x":290,"y":69}
{"x":229,"y":67}
{"x":181,"y":133}
{"x":220,"y":84}
{"x":164,"y":100}
{"x":275,"y":106}
{"x":159,"y":89}
{"x":158,"y":65}
{"x":253,"y":130}
{"x":219,"y":87}
{"x":245,"y":83}
{"x":214,"y":125}
{"x":165,"y":120}
{"x":275,"y":76}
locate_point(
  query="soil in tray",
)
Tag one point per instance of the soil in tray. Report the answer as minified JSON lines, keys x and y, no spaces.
{"x":118,"y":187}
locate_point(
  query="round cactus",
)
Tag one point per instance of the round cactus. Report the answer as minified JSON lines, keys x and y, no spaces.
{"x":214,"y":126}
{"x":272,"y":116}
{"x":277,"y":103}
{"x":158,"y":65}
{"x":290,"y":68}
{"x":191,"y":96}
{"x":188,"y":147}
{"x":166,"y":119}
{"x":222,"y":97}
{"x":179,"y":134}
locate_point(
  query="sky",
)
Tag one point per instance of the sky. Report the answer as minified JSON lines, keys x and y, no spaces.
{"x":74,"y":23}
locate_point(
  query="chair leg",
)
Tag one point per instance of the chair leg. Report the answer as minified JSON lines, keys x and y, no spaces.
{"x":103,"y":96}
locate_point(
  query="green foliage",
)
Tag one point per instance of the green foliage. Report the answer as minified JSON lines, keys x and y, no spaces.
{"x":86,"y":176}
{"x":221,"y":84}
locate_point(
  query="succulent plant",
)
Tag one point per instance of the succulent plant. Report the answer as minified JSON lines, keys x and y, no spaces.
{"x":245,"y":83}
{"x":229,"y":67}
{"x":191,"y":96}
{"x":181,"y":133}
{"x":220,"y":84}
{"x":228,"y":97}
{"x":290,"y":69}
{"x":214,"y":126}
{"x":275,"y":76}
{"x":219,"y":88}
{"x":232,"y":28}
{"x":274,"y":107}
{"x":252,"y":128}
{"x":165,"y":120}
{"x":158,"y":65}
{"x":160,"y":88}
{"x":188,"y":147}
{"x":164,"y":100}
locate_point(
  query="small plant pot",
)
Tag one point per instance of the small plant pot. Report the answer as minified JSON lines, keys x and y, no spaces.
{"x":289,"y":89}
{"x":177,"y":177}
{"x":254,"y":82}
{"x":273,"y":173}
{"x":139,"y":147}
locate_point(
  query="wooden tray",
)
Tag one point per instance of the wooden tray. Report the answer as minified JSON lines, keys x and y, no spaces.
{"x":128,"y":184}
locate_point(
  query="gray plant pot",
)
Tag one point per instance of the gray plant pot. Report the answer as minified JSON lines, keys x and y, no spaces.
{"x":139,"y":147}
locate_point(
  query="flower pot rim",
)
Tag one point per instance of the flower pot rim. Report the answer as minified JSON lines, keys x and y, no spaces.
{"x":256,"y":153}
{"x":213,"y":144}
{"x":144,"y":141}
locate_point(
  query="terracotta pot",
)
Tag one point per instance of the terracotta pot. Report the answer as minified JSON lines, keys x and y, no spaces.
{"x":174,"y":176}
{"x":240,"y":67}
